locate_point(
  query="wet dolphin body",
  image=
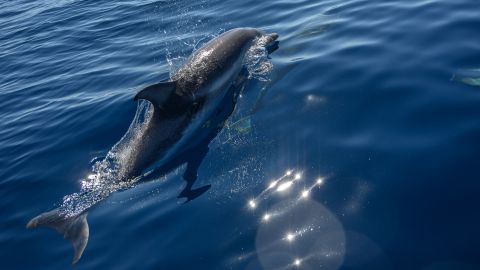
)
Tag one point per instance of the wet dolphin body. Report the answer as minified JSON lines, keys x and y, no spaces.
{"x":205,"y":85}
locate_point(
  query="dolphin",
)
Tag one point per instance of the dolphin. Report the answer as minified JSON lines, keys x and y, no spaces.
{"x":201,"y":93}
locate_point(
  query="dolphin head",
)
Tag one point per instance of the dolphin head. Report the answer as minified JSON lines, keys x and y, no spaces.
{"x":273,"y":36}
{"x":272,"y":42}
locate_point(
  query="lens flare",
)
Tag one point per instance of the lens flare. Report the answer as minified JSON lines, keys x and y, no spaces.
{"x":290,"y":237}
{"x":298,"y":232}
{"x":272,"y":184}
{"x":252,"y":204}
{"x":284,"y":186}
{"x":319,"y":181}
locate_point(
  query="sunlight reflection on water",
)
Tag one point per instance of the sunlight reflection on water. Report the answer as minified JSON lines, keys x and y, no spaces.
{"x":297,"y":232}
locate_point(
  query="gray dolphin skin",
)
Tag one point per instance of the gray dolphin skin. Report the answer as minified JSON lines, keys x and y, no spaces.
{"x":195,"y":90}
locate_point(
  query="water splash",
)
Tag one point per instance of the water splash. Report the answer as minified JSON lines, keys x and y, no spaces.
{"x":108,"y":175}
{"x":257,"y":62}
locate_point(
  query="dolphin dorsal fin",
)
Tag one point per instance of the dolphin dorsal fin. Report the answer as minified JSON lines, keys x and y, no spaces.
{"x":158,"y":93}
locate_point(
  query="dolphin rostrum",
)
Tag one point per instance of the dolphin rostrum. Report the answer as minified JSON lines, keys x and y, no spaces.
{"x":204,"y":89}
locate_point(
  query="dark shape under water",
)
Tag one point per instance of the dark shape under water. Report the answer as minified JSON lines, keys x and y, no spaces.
{"x":188,"y":112}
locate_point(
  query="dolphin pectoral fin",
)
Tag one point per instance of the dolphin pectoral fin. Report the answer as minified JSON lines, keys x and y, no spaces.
{"x":190,"y":175}
{"x":191,"y":194}
{"x":73,"y":228}
{"x":158,"y":93}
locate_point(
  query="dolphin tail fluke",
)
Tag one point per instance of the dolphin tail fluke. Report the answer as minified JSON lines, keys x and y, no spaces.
{"x":73,"y":228}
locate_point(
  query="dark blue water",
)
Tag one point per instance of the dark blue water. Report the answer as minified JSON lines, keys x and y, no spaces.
{"x":379,"y":99}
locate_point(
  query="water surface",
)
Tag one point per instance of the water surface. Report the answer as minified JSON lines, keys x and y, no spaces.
{"x":378,"y":98}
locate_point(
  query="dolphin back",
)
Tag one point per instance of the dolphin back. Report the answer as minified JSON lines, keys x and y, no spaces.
{"x":73,"y":228}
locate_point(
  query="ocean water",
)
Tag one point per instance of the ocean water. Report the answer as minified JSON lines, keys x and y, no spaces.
{"x":358,"y":146}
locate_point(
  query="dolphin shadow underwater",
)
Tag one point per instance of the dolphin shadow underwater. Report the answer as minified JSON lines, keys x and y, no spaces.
{"x":186,"y":114}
